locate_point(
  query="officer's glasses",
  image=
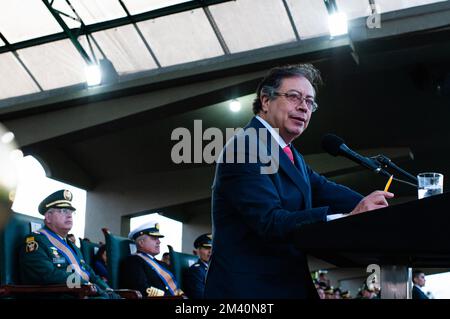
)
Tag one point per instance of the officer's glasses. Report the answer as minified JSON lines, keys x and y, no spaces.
{"x":297,"y":98}
{"x":64,"y":211}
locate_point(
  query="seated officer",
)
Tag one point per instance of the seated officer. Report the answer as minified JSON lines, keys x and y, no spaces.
{"x":196,"y":274}
{"x":48,"y":257}
{"x":346,"y":295}
{"x":142,"y":271}
{"x":329,"y":293}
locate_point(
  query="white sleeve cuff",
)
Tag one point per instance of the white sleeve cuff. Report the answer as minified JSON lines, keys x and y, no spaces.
{"x":334,"y":216}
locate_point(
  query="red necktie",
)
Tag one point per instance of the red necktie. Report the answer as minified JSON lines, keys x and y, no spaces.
{"x":289,"y":154}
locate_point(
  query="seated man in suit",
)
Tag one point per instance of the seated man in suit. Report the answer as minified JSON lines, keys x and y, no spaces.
{"x":49,"y":257}
{"x":196,"y":275}
{"x":419,"y":282}
{"x":263,"y":192}
{"x":142,"y":271}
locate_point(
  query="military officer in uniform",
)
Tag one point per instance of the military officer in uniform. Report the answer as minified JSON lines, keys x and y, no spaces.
{"x":195,"y":277}
{"x":142,"y":271}
{"x":346,"y":294}
{"x":48,"y":257}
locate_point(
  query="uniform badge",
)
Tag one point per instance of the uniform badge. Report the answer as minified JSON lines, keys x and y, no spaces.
{"x":54,"y":251}
{"x":67,"y":195}
{"x":157,"y":226}
{"x":31,"y":245}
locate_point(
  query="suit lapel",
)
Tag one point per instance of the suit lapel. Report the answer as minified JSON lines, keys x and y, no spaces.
{"x":301,"y":167}
{"x":296,"y":175}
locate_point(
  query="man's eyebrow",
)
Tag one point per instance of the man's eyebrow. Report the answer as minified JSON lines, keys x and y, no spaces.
{"x":293,"y":90}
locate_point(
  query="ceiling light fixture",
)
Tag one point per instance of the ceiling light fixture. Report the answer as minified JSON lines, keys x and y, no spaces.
{"x":235,"y":106}
{"x":337,"y":20}
{"x":93,"y":75}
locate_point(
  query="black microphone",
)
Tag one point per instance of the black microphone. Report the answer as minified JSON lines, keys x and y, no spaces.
{"x":336,"y":146}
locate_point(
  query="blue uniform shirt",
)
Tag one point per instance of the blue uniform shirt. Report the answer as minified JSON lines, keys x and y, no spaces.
{"x":194,"y":283}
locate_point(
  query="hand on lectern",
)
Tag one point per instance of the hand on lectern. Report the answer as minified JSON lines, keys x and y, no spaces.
{"x":374,"y":200}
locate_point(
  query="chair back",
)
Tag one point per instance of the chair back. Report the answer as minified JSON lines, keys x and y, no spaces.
{"x":89,"y":250}
{"x":11,"y":239}
{"x":180,"y":263}
{"x":117,"y":249}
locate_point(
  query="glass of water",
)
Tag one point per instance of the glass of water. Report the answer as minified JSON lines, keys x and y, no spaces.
{"x":430,"y":184}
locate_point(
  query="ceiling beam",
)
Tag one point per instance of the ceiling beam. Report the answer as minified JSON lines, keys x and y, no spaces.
{"x":238,"y":63}
{"x":153,"y":14}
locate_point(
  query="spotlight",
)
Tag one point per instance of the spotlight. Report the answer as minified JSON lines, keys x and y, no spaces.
{"x":93,"y":75}
{"x":235,"y":105}
{"x":337,"y":22}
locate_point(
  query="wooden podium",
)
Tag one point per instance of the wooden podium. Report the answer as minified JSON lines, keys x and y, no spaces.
{"x":413,"y":234}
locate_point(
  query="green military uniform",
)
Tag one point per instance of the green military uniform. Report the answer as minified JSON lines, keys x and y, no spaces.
{"x":42,"y":263}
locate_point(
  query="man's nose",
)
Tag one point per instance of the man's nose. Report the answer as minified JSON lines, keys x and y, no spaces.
{"x":302,"y":106}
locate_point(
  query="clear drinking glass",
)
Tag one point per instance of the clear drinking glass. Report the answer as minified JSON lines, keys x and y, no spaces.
{"x":430,"y":184}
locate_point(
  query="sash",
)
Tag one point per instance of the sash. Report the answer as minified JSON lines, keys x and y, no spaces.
{"x":67,"y":252}
{"x":165,"y":275}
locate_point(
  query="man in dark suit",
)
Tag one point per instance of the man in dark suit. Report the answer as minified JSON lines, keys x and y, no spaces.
{"x":195,"y":277}
{"x":255,"y":208}
{"x":419,"y":282}
{"x":142,"y":271}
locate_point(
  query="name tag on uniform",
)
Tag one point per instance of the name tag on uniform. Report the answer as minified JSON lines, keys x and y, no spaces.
{"x":59,"y":260}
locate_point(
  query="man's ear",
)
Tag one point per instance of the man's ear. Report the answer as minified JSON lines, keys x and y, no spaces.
{"x":264,"y":103}
{"x":46,"y":215}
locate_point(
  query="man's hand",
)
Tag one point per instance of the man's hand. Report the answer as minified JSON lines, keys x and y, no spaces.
{"x":372,"y":201}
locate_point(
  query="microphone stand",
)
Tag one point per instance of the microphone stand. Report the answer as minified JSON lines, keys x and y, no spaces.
{"x":387,"y":163}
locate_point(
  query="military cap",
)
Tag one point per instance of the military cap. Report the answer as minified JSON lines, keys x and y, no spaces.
{"x":203,"y":241}
{"x":150,"y":228}
{"x":329,"y":290}
{"x":59,"y":199}
{"x":323,"y":285}
{"x":345,"y":294}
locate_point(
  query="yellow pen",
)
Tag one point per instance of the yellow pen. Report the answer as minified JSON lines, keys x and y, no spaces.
{"x":388,"y":183}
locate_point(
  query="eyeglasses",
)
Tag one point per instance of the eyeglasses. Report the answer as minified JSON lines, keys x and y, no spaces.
{"x":64,"y":211}
{"x":297,"y":98}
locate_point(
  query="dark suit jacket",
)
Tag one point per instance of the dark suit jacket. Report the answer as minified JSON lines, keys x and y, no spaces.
{"x":138,"y":275}
{"x":194,"y":280}
{"x":254,"y":216}
{"x":418,"y":293}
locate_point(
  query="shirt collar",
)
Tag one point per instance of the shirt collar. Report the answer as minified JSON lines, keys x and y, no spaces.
{"x":152,"y":257}
{"x":274,"y":133}
{"x":61,"y":237}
